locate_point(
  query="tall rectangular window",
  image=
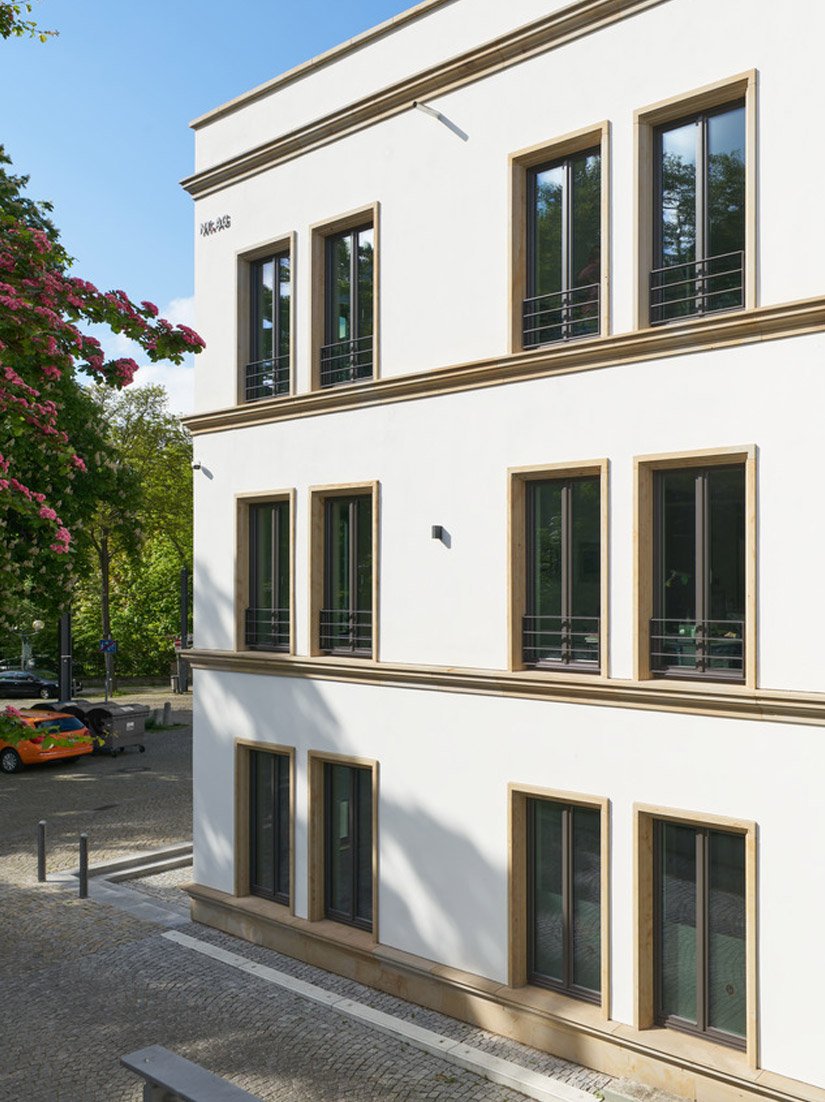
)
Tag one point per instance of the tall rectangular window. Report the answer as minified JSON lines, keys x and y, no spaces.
{"x":699,"y":214}
{"x":347,"y":352}
{"x":699,"y":573}
{"x":268,"y":615}
{"x":346,"y":616}
{"x":563,"y":573}
{"x":564,"y":897}
{"x":269,"y":834}
{"x":699,"y":930}
{"x":563,"y":250}
{"x":267,"y":373}
{"x":348,"y":838}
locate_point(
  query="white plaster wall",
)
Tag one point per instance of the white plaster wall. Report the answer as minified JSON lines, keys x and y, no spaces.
{"x":445,"y":762}
{"x":444,"y":461}
{"x":445,"y":206}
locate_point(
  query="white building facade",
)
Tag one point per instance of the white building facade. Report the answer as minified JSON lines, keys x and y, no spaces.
{"x":509,"y":531}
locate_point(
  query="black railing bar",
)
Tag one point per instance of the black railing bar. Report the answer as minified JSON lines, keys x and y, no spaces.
{"x":699,"y":279}
{"x":695,"y":263}
{"x":568,"y":293}
{"x":577,"y":320}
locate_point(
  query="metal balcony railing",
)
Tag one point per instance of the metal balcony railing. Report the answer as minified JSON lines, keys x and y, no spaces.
{"x":267,"y":378}
{"x":697,"y":287}
{"x":267,"y":628}
{"x":561,"y":641}
{"x":346,"y":631}
{"x":561,"y":316}
{"x":707,"y":647}
{"x":346,"y":361}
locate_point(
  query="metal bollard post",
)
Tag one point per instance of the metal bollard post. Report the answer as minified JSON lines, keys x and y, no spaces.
{"x":167,"y":714}
{"x":83,"y":878}
{"x":41,"y":850}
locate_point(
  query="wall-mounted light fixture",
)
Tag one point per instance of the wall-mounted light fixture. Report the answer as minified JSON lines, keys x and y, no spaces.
{"x":438,"y":532}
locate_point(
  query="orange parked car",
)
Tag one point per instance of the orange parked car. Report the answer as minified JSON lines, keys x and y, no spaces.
{"x":31,"y":751}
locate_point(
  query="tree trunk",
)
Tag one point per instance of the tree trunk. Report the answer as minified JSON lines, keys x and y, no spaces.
{"x":104,"y":559}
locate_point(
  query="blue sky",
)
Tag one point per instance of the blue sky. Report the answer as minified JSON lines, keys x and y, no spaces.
{"x":98,"y":118}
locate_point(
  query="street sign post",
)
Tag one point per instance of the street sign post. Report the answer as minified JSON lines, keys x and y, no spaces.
{"x":109,"y":649}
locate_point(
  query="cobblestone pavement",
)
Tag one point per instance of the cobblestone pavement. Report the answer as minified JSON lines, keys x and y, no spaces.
{"x":88,"y":983}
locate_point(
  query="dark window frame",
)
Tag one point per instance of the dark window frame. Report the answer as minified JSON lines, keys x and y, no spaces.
{"x":279,"y":619}
{"x":702,"y":261}
{"x":359,"y":621}
{"x":567,"y":630}
{"x":352,"y":359}
{"x":284,"y":761}
{"x":670,"y":1021}
{"x":268,"y":377}
{"x":590,"y":303}
{"x":702,"y":584}
{"x":566,"y":986}
{"x":357,"y":775}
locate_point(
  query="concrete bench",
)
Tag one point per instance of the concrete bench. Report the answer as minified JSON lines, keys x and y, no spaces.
{"x":171,"y":1078}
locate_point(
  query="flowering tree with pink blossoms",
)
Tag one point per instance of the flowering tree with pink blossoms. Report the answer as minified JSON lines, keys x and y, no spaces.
{"x":53,"y":462}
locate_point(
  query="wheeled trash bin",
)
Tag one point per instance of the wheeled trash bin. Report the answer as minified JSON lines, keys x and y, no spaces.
{"x":119,"y":725}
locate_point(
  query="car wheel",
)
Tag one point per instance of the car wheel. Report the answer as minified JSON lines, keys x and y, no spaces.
{"x":10,"y":761}
{"x":44,"y":693}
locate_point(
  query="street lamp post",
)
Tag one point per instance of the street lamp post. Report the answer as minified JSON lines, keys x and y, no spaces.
{"x":25,"y":642}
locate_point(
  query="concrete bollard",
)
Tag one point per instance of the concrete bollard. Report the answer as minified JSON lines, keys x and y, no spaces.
{"x":167,"y":714}
{"x":83,"y":872}
{"x":41,"y":851}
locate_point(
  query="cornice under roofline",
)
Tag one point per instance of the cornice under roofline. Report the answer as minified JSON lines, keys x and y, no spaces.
{"x":708,"y":699}
{"x":320,"y":61}
{"x":571,"y":22}
{"x":637,"y":346}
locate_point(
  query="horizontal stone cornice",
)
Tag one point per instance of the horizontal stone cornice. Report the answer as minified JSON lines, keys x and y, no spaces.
{"x":544,"y":34}
{"x":728,"y":701}
{"x":638,"y":346}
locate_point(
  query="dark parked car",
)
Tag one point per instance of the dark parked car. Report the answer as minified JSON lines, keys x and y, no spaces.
{"x":25,"y":683}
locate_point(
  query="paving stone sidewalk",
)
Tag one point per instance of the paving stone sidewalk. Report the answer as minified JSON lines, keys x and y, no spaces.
{"x":86,"y":983}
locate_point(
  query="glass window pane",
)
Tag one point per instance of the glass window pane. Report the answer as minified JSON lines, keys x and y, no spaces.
{"x":677,"y":196}
{"x":548,"y":212}
{"x":340,"y":854}
{"x":339,"y":278}
{"x":282,"y":806}
{"x":262,"y":559}
{"x":284,"y":304}
{"x":726,"y":568}
{"x":726,"y":932}
{"x":364,"y":811}
{"x":282,"y":566}
{"x":586,"y":909}
{"x":546,"y":874}
{"x":544,"y":582}
{"x":677,"y":924}
{"x":263,"y":276}
{"x":338,"y":549}
{"x":726,"y":181}
{"x":677,"y":569}
{"x":363,"y":511}
{"x":585,"y":253}
{"x":585,"y":567}
{"x":263,"y":870}
{"x":365,"y":282}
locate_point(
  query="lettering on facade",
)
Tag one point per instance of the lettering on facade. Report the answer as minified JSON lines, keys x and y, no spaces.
{"x":215,"y":225}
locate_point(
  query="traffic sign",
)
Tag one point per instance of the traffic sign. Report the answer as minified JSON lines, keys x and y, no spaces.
{"x":108,"y":646}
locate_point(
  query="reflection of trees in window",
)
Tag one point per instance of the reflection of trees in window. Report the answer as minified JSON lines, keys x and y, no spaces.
{"x":699,"y":930}
{"x":347,"y":353}
{"x":268,"y":615}
{"x":563,"y":568}
{"x":346,"y":618}
{"x":699,"y":215}
{"x":564,"y":897}
{"x":267,"y":373}
{"x":699,"y":572}
{"x":563,"y":249}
